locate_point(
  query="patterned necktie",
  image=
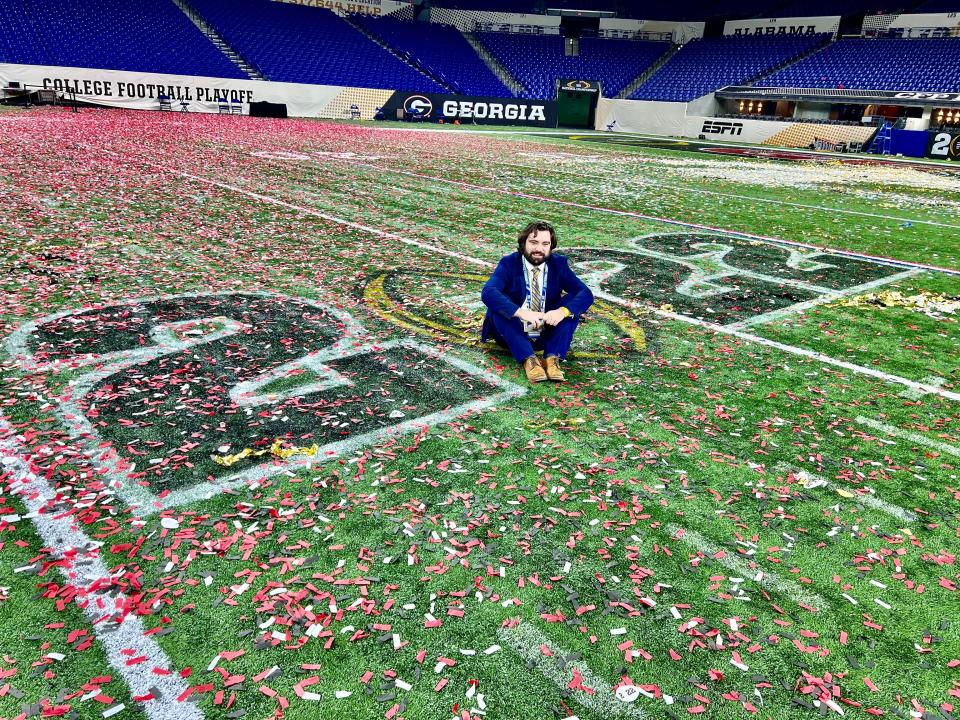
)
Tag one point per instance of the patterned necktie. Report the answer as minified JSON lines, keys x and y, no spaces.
{"x":536,"y":301}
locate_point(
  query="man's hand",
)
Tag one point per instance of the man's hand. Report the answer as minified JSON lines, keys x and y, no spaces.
{"x":529,"y":316}
{"x":554,"y":317}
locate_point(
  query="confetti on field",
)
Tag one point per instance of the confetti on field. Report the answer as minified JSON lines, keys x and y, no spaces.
{"x":932,"y":304}
{"x":276,"y":450}
{"x":241,"y":363}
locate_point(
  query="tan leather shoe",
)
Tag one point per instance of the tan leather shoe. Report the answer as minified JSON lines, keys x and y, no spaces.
{"x":534,"y":372}
{"x":552,"y":366}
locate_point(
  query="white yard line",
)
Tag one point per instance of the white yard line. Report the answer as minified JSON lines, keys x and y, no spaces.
{"x":819,"y":357}
{"x":910,"y":435}
{"x":629,"y":213}
{"x":674,"y":143}
{"x":527,"y":641}
{"x":318,"y":213}
{"x":823,"y":299}
{"x":923,"y":388}
{"x":703,"y":191}
{"x":61,"y":533}
{"x":732,"y":561}
{"x":812,"y":480}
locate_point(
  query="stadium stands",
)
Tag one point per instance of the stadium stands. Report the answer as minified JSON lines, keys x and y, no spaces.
{"x":136,"y":35}
{"x":537,"y":61}
{"x":929,"y":65}
{"x":441,"y":49}
{"x":703,"y":66}
{"x":295,"y":43}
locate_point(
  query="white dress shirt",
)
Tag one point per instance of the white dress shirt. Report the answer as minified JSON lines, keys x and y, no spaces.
{"x":542,"y":280}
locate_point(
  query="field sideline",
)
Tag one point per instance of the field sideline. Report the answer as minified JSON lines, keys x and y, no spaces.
{"x":255,"y":463}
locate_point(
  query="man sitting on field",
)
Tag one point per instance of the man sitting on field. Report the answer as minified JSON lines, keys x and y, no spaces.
{"x":534,"y":302}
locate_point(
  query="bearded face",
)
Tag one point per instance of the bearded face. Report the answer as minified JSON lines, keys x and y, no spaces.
{"x":536,"y":249}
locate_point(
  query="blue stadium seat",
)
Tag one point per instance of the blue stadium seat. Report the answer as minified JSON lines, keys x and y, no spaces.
{"x":926,"y":65}
{"x":295,"y":43}
{"x":702,"y":66}
{"x":441,"y":49}
{"x":134,"y":35}
{"x":537,"y":61}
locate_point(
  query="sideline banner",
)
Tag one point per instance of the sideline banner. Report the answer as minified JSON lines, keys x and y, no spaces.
{"x":671,"y":120}
{"x":141,"y":91}
{"x":682,"y":31}
{"x":782,"y":26}
{"x":351,"y":7}
{"x":944,"y":144}
{"x":428,"y":107}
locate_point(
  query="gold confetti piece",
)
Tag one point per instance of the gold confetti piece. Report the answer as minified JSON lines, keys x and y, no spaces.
{"x":924,"y":301}
{"x":277,"y":450}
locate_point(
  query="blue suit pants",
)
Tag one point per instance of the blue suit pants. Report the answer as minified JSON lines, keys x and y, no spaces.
{"x":509,"y":333}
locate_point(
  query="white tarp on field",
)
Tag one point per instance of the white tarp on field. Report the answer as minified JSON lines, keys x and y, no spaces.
{"x":672,"y":120}
{"x":653,"y":117}
{"x":116,"y":88}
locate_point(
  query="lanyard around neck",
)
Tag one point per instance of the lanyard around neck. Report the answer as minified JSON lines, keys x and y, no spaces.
{"x":526,"y":286}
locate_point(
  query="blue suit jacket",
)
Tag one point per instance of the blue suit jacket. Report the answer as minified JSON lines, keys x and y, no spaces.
{"x":505,"y":291}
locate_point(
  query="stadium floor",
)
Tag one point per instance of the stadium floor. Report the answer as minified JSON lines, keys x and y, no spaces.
{"x":255,"y":463}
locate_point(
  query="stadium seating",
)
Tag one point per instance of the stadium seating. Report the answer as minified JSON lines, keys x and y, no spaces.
{"x":702,"y":66}
{"x":441,"y":49}
{"x":295,"y":43}
{"x":135,"y":35}
{"x":537,"y":61}
{"x":931,"y":65}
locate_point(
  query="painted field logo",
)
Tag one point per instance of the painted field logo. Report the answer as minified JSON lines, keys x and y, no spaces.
{"x":723,"y":279}
{"x":447,"y":305}
{"x":162,"y":390}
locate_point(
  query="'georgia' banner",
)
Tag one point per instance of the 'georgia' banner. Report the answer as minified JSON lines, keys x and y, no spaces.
{"x":467,"y":109}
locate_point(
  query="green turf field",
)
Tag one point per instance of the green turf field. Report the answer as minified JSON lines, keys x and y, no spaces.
{"x":255,"y":462}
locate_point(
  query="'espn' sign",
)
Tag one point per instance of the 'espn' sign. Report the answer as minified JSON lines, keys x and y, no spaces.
{"x":722,"y":127}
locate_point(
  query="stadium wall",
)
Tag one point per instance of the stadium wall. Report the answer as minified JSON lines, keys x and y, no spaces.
{"x":350,"y":7}
{"x":695,"y":119}
{"x":140,"y":91}
{"x":470,"y":20}
{"x":920,"y":21}
{"x":779,"y":27}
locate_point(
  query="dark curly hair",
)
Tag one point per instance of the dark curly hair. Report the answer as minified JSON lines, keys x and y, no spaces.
{"x":533,"y":228}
